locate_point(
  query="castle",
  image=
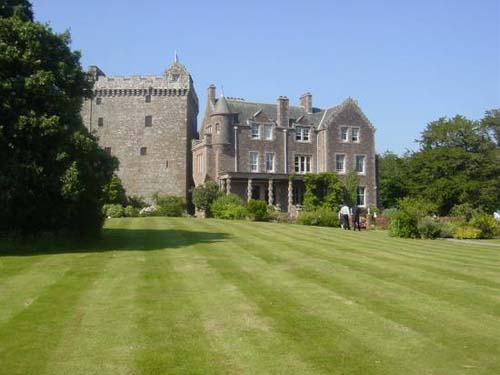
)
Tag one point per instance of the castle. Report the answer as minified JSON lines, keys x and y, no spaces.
{"x":255,"y":150}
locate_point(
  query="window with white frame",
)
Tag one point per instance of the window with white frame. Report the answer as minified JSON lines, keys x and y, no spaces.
{"x":302,"y":134}
{"x":254,"y":161}
{"x":340,"y":163}
{"x":355,"y":135}
{"x":302,"y":163}
{"x":209,"y":129}
{"x":361,"y":201}
{"x":268,"y":132}
{"x":344,"y":135}
{"x":269,"y":162}
{"x":255,"y":131}
{"x":360,"y":164}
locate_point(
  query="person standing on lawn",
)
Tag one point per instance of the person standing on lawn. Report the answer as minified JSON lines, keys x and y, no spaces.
{"x":345,"y":216}
{"x":355,"y":218}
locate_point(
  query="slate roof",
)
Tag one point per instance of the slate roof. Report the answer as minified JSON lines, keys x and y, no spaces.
{"x":248,"y":110}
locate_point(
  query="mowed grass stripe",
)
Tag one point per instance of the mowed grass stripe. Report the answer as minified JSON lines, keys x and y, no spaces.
{"x":442,"y":250}
{"x":233,"y":323}
{"x":106,"y":338}
{"x":21,"y":289}
{"x":341,"y":248}
{"x":458,"y":321}
{"x":295,"y":305}
{"x":172,"y":339}
{"x":415,"y":278}
{"x":28,"y":342}
{"x":363,"y":243}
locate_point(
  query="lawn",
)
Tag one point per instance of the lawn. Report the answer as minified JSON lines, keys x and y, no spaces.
{"x":181,"y":296}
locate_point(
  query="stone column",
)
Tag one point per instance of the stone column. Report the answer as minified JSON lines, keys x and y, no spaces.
{"x":222,"y":185}
{"x":290,"y":195}
{"x":249,"y":190}
{"x":270,"y":193}
{"x":228,"y":185}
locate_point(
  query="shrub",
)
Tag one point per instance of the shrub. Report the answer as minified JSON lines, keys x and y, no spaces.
{"x":229,"y":207}
{"x":136,"y":201}
{"x":114,"y":192}
{"x":258,"y":210}
{"x":323,"y":190}
{"x":403,"y":225}
{"x":323,"y":217}
{"x":486,"y":224}
{"x":404,"y":221}
{"x":169,"y":205}
{"x":429,"y":227}
{"x":205,"y":195}
{"x":467,"y":232}
{"x":131,"y":211}
{"x":447,"y":230}
{"x":113,"y":210}
{"x":464,"y":210}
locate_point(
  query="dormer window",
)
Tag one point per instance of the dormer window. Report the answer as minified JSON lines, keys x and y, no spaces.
{"x":174,"y":77}
{"x":255,"y":131}
{"x":302,"y":134}
{"x":344,"y":137}
{"x":268,"y":132}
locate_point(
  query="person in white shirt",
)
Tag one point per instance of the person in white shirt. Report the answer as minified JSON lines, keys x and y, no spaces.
{"x":345,"y":216}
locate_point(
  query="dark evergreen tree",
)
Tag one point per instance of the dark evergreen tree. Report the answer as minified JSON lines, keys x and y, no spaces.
{"x":52,"y":172}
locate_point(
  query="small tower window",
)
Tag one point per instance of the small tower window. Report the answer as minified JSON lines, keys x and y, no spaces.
{"x":100,"y":122}
{"x":209,"y":129}
{"x":148,"y":99}
{"x":98,"y":101}
{"x":175,"y":77}
{"x":217,"y":128}
{"x":166,"y":164}
{"x":144,"y":151}
{"x":148,"y":121}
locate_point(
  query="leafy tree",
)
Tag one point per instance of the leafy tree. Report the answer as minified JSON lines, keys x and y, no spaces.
{"x":392,"y":184}
{"x":114,"y":192}
{"x":351,"y":189}
{"x":323,"y":190}
{"x":491,"y":122}
{"x":16,"y":8}
{"x":52,"y":172}
{"x":205,"y":195}
{"x":458,"y":163}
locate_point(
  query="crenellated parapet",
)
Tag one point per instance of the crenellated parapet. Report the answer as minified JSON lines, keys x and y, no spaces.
{"x":140,"y":92}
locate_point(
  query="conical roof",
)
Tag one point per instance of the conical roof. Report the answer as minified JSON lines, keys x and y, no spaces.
{"x":222,"y":107}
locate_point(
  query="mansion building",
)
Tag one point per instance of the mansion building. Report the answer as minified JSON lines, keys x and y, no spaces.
{"x":261,"y":151}
{"x":255,"y":150}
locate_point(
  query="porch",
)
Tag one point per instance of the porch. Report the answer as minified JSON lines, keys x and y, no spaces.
{"x":277,"y":190}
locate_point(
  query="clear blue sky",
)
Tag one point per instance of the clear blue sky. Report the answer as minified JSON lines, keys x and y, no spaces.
{"x":406,"y":62}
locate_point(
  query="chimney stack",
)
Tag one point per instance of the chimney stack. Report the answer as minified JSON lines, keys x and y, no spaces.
{"x":283,"y":112}
{"x":211,"y":94}
{"x":306,"y":101}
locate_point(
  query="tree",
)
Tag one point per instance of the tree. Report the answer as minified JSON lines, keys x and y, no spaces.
{"x":114,"y":192}
{"x":491,"y":122}
{"x":458,"y":163}
{"x":324,"y":190}
{"x":392,"y":184}
{"x":52,"y":172}
{"x":16,"y":8}
{"x":351,"y":189}
{"x":205,"y":195}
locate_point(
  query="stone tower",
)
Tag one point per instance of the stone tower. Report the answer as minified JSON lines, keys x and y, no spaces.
{"x":148,"y":123}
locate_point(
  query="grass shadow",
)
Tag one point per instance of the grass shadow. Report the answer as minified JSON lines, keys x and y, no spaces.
{"x":111,"y":240}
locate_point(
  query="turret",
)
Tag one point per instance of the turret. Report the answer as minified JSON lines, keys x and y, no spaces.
{"x":221,"y":121}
